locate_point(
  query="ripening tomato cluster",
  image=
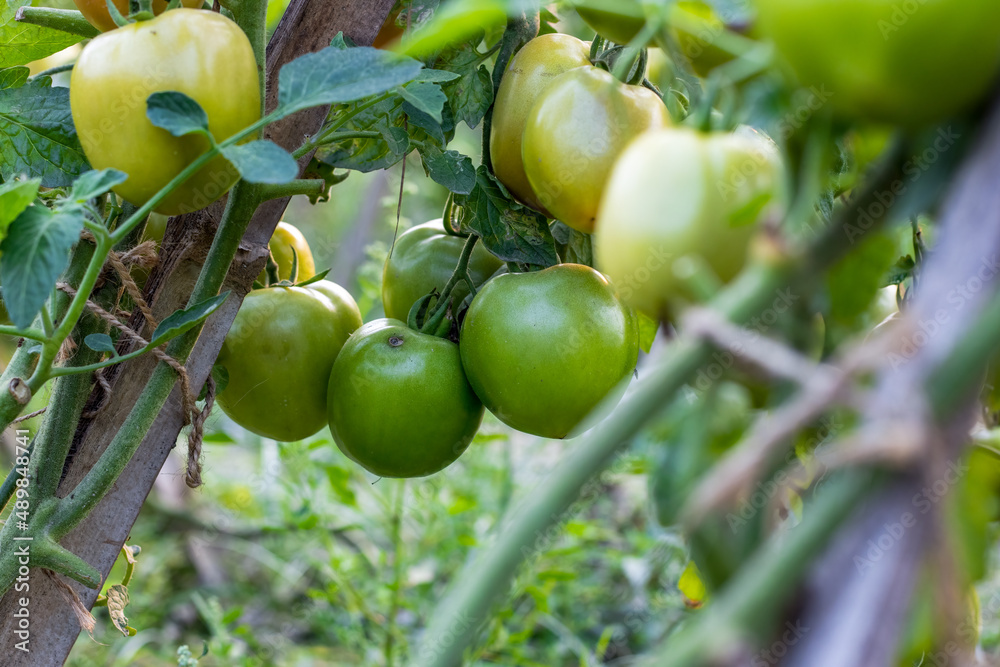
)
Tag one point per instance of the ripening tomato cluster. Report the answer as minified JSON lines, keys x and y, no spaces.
{"x":539,"y":350}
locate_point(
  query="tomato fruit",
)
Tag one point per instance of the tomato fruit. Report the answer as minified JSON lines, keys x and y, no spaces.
{"x":424,"y":258}
{"x":621,"y":20}
{"x":400,"y":405}
{"x":279,"y":354}
{"x":96,"y":11}
{"x":575,"y":132}
{"x":528,"y":74}
{"x":286,"y":239}
{"x":118,"y":70}
{"x":542,"y":349}
{"x":679,"y":192}
{"x":903,"y":63}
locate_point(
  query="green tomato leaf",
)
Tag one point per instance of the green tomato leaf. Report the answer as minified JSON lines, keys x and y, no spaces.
{"x":471,"y":94}
{"x":99,"y":342}
{"x":366,"y":154}
{"x":22,"y":43}
{"x":455,"y":22}
{"x":96,"y":183}
{"x":335,"y":76}
{"x":263,"y":162}
{"x":436,"y":76}
{"x":15,"y":196}
{"x":13,"y":77}
{"x":508,"y":230}
{"x":184,"y":320}
{"x":37,"y":136}
{"x":440,"y":132}
{"x":176,"y":113}
{"x":647,"y":331}
{"x":855,"y":280}
{"x":449,"y":168}
{"x":36,"y":252}
{"x":574,"y":247}
{"x":426,"y":97}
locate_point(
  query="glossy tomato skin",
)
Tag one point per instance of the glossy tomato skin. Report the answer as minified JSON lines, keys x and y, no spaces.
{"x":96,"y":11}
{"x":399,"y":402}
{"x":279,"y":354}
{"x":883,"y":60}
{"x":201,"y":54}
{"x":423,"y":258}
{"x":284,"y":240}
{"x":542,"y":349}
{"x":528,"y":74}
{"x":575,"y":132}
{"x":679,"y":192}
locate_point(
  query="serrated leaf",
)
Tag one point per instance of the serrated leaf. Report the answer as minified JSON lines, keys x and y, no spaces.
{"x":35,"y":253}
{"x":366,"y":154}
{"x":37,"y":136}
{"x":13,"y":77}
{"x":96,"y":183}
{"x":574,"y":246}
{"x":22,"y":43}
{"x":336,"y":76}
{"x":449,"y":168}
{"x":471,"y":94}
{"x":184,"y":320}
{"x":117,"y":596}
{"x":508,"y":230}
{"x":176,"y":113}
{"x":428,"y":98}
{"x":263,"y":162}
{"x":15,"y":196}
{"x":434,"y":129}
{"x":100,"y":342}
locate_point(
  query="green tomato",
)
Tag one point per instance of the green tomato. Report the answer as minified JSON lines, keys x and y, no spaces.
{"x":679,"y":193}
{"x":286,"y":239}
{"x":400,"y":405}
{"x":118,"y":70}
{"x":908,"y":63}
{"x":543,"y":349}
{"x":621,"y":20}
{"x":529,"y":73}
{"x":424,"y":258}
{"x":279,"y":354}
{"x":575,"y":132}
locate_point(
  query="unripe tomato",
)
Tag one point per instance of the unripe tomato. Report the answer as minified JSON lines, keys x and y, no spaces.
{"x":678,"y":192}
{"x":621,"y":20}
{"x":575,"y":132}
{"x":279,"y":354}
{"x":529,"y":73}
{"x":96,"y":11}
{"x":542,"y":349}
{"x":423,"y":258}
{"x":285,"y":239}
{"x":400,"y":405}
{"x":118,"y":70}
{"x":904,"y":63}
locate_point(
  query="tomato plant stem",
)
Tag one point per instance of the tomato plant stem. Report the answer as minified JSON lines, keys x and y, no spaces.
{"x":67,"y":20}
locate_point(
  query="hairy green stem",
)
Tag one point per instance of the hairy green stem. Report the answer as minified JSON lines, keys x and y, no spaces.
{"x":434,"y":318}
{"x":66,"y":20}
{"x":312,"y":187}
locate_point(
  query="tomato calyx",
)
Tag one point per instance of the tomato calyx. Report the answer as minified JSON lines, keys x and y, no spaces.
{"x":626,"y":63}
{"x":430,"y":314}
{"x":139,"y":10}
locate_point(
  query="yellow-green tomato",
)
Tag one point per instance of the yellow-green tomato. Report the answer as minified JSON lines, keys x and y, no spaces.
{"x":529,"y":73}
{"x":424,"y":258}
{"x":400,"y":405}
{"x":96,"y":11}
{"x":279,"y":354}
{"x":201,"y":54}
{"x":575,"y":132}
{"x":542,"y":349}
{"x":679,"y":193}
{"x":288,"y":245}
{"x":908,"y":63}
